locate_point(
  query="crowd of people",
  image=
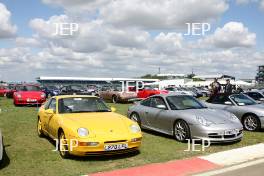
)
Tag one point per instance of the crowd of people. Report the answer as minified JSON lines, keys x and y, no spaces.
{"x":228,"y":88}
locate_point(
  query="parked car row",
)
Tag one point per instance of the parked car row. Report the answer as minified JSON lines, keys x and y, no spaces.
{"x":72,"y":113}
{"x":98,"y":130}
{"x":109,"y":92}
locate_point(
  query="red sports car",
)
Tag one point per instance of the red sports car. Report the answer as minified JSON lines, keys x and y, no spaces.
{"x":28,"y":95}
{"x":148,"y":91}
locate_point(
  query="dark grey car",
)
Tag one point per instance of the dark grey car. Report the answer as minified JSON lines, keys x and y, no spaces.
{"x":245,"y":108}
{"x":185,"y":118}
{"x":256,"y":95}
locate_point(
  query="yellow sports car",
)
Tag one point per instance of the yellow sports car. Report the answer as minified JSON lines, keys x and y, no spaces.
{"x":84,"y":125}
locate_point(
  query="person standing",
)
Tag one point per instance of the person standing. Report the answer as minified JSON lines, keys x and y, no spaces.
{"x":215,"y":88}
{"x":228,"y":89}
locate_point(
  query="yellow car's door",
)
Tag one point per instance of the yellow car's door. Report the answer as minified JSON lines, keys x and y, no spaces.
{"x":51,"y":114}
{"x":53,"y":125}
{"x":44,"y":115}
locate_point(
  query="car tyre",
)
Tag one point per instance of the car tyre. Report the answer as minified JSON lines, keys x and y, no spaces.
{"x":135,"y":117}
{"x":1,"y":161}
{"x":181,"y":131}
{"x":63,"y":149}
{"x":114,"y":99}
{"x":39,"y":128}
{"x":251,"y":123}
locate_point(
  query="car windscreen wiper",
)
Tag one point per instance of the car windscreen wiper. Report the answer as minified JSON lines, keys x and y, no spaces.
{"x":81,"y":111}
{"x":189,"y":108}
{"x":103,"y":110}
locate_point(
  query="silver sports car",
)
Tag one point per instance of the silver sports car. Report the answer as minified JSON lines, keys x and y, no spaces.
{"x":185,"y":117}
{"x":245,"y":108}
{"x":1,"y":147}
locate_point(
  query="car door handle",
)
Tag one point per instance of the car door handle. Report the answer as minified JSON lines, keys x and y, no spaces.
{"x":146,"y":112}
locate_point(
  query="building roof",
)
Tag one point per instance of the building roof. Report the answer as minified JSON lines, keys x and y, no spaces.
{"x":218,"y":76}
{"x":171,"y":74}
{"x":45,"y":78}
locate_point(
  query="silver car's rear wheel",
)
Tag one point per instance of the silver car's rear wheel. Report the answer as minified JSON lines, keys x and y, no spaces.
{"x":181,"y":131}
{"x":251,"y":123}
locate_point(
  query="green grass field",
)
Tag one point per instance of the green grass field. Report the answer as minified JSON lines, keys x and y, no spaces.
{"x":29,"y":155}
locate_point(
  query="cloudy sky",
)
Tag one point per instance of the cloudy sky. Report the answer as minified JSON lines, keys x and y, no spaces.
{"x":130,"y":38}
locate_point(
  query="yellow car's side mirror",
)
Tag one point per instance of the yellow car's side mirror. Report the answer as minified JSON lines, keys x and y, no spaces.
{"x":113,"y":109}
{"x":50,"y":111}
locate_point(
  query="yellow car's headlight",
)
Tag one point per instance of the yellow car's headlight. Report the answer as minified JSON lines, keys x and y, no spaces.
{"x":134,"y":128}
{"x":82,"y":132}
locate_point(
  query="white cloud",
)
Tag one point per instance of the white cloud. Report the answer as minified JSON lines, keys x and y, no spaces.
{"x":169,"y":44}
{"x":89,"y":38}
{"x":93,"y":36}
{"x":115,"y":39}
{"x":6,"y":28}
{"x":13,"y":56}
{"x":27,"y":42}
{"x":59,"y":57}
{"x":77,"y":6}
{"x":131,"y":38}
{"x":245,"y":2}
{"x":160,"y":14}
{"x":262,"y":4}
{"x":233,"y":34}
{"x":148,"y":13}
{"x":107,"y":50}
{"x":49,"y":28}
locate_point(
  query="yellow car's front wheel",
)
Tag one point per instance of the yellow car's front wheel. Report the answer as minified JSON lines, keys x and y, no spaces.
{"x":39,"y":128}
{"x":63,"y":147}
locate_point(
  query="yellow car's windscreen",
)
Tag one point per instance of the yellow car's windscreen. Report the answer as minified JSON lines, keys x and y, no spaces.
{"x":82,"y":104}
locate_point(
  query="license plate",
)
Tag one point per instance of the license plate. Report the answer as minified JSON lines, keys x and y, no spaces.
{"x":31,"y":100}
{"x":115,"y":147}
{"x":231,"y":132}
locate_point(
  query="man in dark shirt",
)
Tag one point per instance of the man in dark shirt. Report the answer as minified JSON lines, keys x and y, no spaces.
{"x":228,"y":87}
